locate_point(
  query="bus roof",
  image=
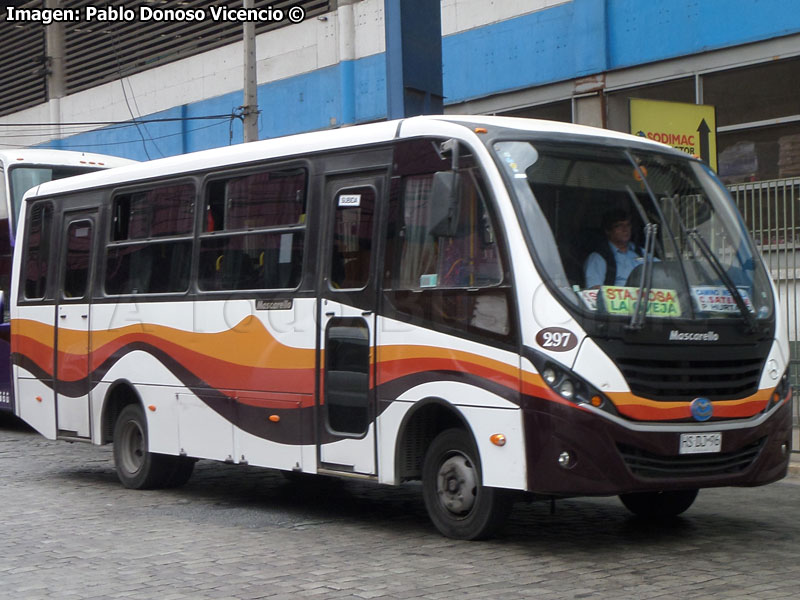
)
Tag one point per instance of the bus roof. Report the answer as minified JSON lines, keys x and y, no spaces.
{"x":317,"y":141}
{"x":65,"y":158}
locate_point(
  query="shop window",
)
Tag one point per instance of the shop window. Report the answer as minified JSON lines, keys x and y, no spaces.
{"x":759,"y":154}
{"x":555,"y":111}
{"x":755,"y":93}
{"x":617,"y":102}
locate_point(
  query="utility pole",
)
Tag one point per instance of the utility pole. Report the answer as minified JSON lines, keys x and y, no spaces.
{"x":250,"y":106}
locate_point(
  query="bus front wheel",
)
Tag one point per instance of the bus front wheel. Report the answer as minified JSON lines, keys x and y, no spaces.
{"x":659,"y":505}
{"x":137,"y":467}
{"x":458,"y":504}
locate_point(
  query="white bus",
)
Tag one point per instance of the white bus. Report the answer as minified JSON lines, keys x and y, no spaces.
{"x":20,"y":170}
{"x":405,"y":301}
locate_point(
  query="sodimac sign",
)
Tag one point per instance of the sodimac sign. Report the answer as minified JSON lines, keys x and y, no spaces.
{"x":690,"y":128}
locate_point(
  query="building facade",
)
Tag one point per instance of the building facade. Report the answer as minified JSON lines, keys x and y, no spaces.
{"x":84,"y":82}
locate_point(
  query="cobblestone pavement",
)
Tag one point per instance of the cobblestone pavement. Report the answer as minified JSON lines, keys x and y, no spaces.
{"x":70,"y":531}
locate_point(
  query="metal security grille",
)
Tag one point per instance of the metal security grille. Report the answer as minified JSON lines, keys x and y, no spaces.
{"x":771,"y":211}
{"x":100,"y":51}
{"x":648,"y":465}
{"x":23,"y":71}
{"x":717,"y":378}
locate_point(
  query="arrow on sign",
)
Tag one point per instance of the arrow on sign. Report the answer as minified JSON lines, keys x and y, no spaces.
{"x":703,"y":131}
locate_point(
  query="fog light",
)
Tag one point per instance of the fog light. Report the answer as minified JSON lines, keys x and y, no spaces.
{"x":784,"y":449}
{"x":565,"y":460}
{"x":772,"y":367}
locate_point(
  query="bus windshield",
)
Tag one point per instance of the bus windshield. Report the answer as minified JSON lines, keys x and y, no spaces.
{"x":610,"y":225}
{"x":22,"y":178}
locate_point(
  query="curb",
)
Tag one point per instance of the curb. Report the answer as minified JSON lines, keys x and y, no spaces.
{"x":794,"y":467}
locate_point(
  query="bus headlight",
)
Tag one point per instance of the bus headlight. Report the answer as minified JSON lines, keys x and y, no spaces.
{"x":568,"y":384}
{"x":783,"y":389}
{"x":567,"y":389}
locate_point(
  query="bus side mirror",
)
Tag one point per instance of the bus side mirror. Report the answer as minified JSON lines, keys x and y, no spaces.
{"x":445,"y":203}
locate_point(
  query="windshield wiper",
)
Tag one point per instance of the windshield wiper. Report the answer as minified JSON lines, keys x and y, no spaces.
{"x":646,"y":277}
{"x":719,"y":269}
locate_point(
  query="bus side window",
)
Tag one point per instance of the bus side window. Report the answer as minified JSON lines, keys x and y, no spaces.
{"x":37,"y":251}
{"x":443,"y":266}
{"x":253,"y":231}
{"x":148,"y":251}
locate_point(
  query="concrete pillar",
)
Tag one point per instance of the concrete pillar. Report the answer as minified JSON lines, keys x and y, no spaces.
{"x":56,"y":85}
{"x":589,"y":110}
{"x":346,"y":26}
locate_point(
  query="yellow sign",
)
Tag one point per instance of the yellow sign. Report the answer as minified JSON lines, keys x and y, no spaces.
{"x":621,"y":300}
{"x":691,"y":128}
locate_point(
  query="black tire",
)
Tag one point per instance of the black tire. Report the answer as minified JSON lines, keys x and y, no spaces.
{"x":659,"y":505}
{"x":182,"y":469}
{"x":457,"y":503}
{"x":137,"y":468}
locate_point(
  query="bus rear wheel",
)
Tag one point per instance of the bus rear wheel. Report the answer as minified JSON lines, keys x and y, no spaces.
{"x":137,"y":467}
{"x":659,"y":505}
{"x":457,"y":503}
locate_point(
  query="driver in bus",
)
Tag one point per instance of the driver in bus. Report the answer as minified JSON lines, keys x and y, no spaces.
{"x":613,"y":261}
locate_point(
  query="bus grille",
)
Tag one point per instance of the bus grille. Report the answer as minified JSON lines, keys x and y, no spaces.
{"x":654,"y":466}
{"x":682,"y":379}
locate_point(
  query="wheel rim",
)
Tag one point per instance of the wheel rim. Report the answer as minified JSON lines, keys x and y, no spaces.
{"x":457,"y":485}
{"x":132,"y":447}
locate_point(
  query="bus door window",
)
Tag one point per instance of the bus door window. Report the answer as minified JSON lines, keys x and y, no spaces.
{"x":352,"y":238}
{"x":37,"y":251}
{"x":77,"y":259}
{"x":73,"y":326}
{"x":347,"y":348}
{"x":347,"y":339}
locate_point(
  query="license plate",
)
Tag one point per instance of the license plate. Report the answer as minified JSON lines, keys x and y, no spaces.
{"x":700,"y":443}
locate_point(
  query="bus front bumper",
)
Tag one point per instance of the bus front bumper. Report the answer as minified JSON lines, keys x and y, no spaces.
{"x":571,"y":451}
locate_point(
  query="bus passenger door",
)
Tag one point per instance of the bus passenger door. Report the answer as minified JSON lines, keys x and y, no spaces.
{"x":72,"y":326}
{"x":346,"y":434}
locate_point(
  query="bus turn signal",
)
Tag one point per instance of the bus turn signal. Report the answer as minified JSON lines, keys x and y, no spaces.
{"x":498,"y":439}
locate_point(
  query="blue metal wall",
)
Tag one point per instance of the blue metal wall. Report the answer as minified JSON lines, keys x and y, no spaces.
{"x":570,"y":40}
